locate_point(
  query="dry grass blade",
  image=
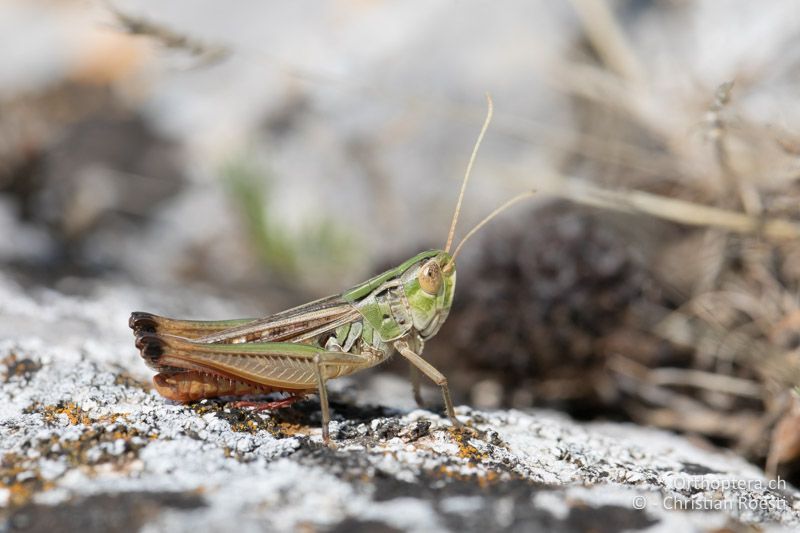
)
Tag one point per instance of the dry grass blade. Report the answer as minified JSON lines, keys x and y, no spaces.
{"x":608,"y":38}
{"x":768,"y":360}
{"x":706,"y":380}
{"x":673,"y":410}
{"x":168,"y":37}
{"x":676,"y":210}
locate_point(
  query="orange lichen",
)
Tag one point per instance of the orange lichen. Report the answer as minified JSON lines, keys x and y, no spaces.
{"x":292,"y":429}
{"x":73,"y":412}
{"x":465,"y":449}
{"x":18,"y":367}
{"x":51,"y":413}
{"x":483,"y":478}
{"x":13,"y":467}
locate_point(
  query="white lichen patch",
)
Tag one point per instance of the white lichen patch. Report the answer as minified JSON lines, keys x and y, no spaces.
{"x":78,"y":423}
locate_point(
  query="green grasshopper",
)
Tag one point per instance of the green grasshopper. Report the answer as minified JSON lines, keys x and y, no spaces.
{"x":299,"y":350}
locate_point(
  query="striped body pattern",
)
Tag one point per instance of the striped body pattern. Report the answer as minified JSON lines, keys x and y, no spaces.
{"x":352,"y":331}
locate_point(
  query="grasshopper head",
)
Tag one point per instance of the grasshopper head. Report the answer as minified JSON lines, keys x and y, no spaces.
{"x":429,"y":285}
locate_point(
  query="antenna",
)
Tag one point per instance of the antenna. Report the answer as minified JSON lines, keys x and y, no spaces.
{"x":488,"y":218}
{"x":486,"y":122}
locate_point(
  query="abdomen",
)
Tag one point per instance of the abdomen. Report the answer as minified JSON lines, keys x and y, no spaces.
{"x":191,"y":385}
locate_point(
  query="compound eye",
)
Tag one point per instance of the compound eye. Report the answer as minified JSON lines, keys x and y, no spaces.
{"x":430,"y":277}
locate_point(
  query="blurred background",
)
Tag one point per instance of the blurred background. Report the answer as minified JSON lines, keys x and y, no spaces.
{"x":264,"y":154}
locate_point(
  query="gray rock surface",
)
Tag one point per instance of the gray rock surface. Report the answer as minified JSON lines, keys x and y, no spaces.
{"x":87,"y":445}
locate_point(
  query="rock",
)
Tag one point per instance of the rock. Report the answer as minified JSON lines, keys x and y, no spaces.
{"x":87,"y":445}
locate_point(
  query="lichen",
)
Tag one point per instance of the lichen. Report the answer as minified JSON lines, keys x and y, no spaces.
{"x":20,"y":476}
{"x":19,"y":367}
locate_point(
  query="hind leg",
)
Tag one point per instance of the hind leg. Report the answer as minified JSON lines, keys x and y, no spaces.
{"x":269,"y":406}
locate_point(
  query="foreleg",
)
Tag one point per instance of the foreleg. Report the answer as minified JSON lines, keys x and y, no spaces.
{"x":435,"y":376}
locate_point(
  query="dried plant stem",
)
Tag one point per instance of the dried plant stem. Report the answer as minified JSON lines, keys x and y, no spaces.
{"x":676,"y":411}
{"x":676,"y":210}
{"x":761,"y":356}
{"x":659,"y":377}
{"x":718,"y":135}
{"x":141,"y":26}
{"x":706,"y":380}
{"x":608,"y":39}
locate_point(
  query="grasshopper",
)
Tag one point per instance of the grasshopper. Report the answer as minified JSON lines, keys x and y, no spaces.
{"x":299,"y":350}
